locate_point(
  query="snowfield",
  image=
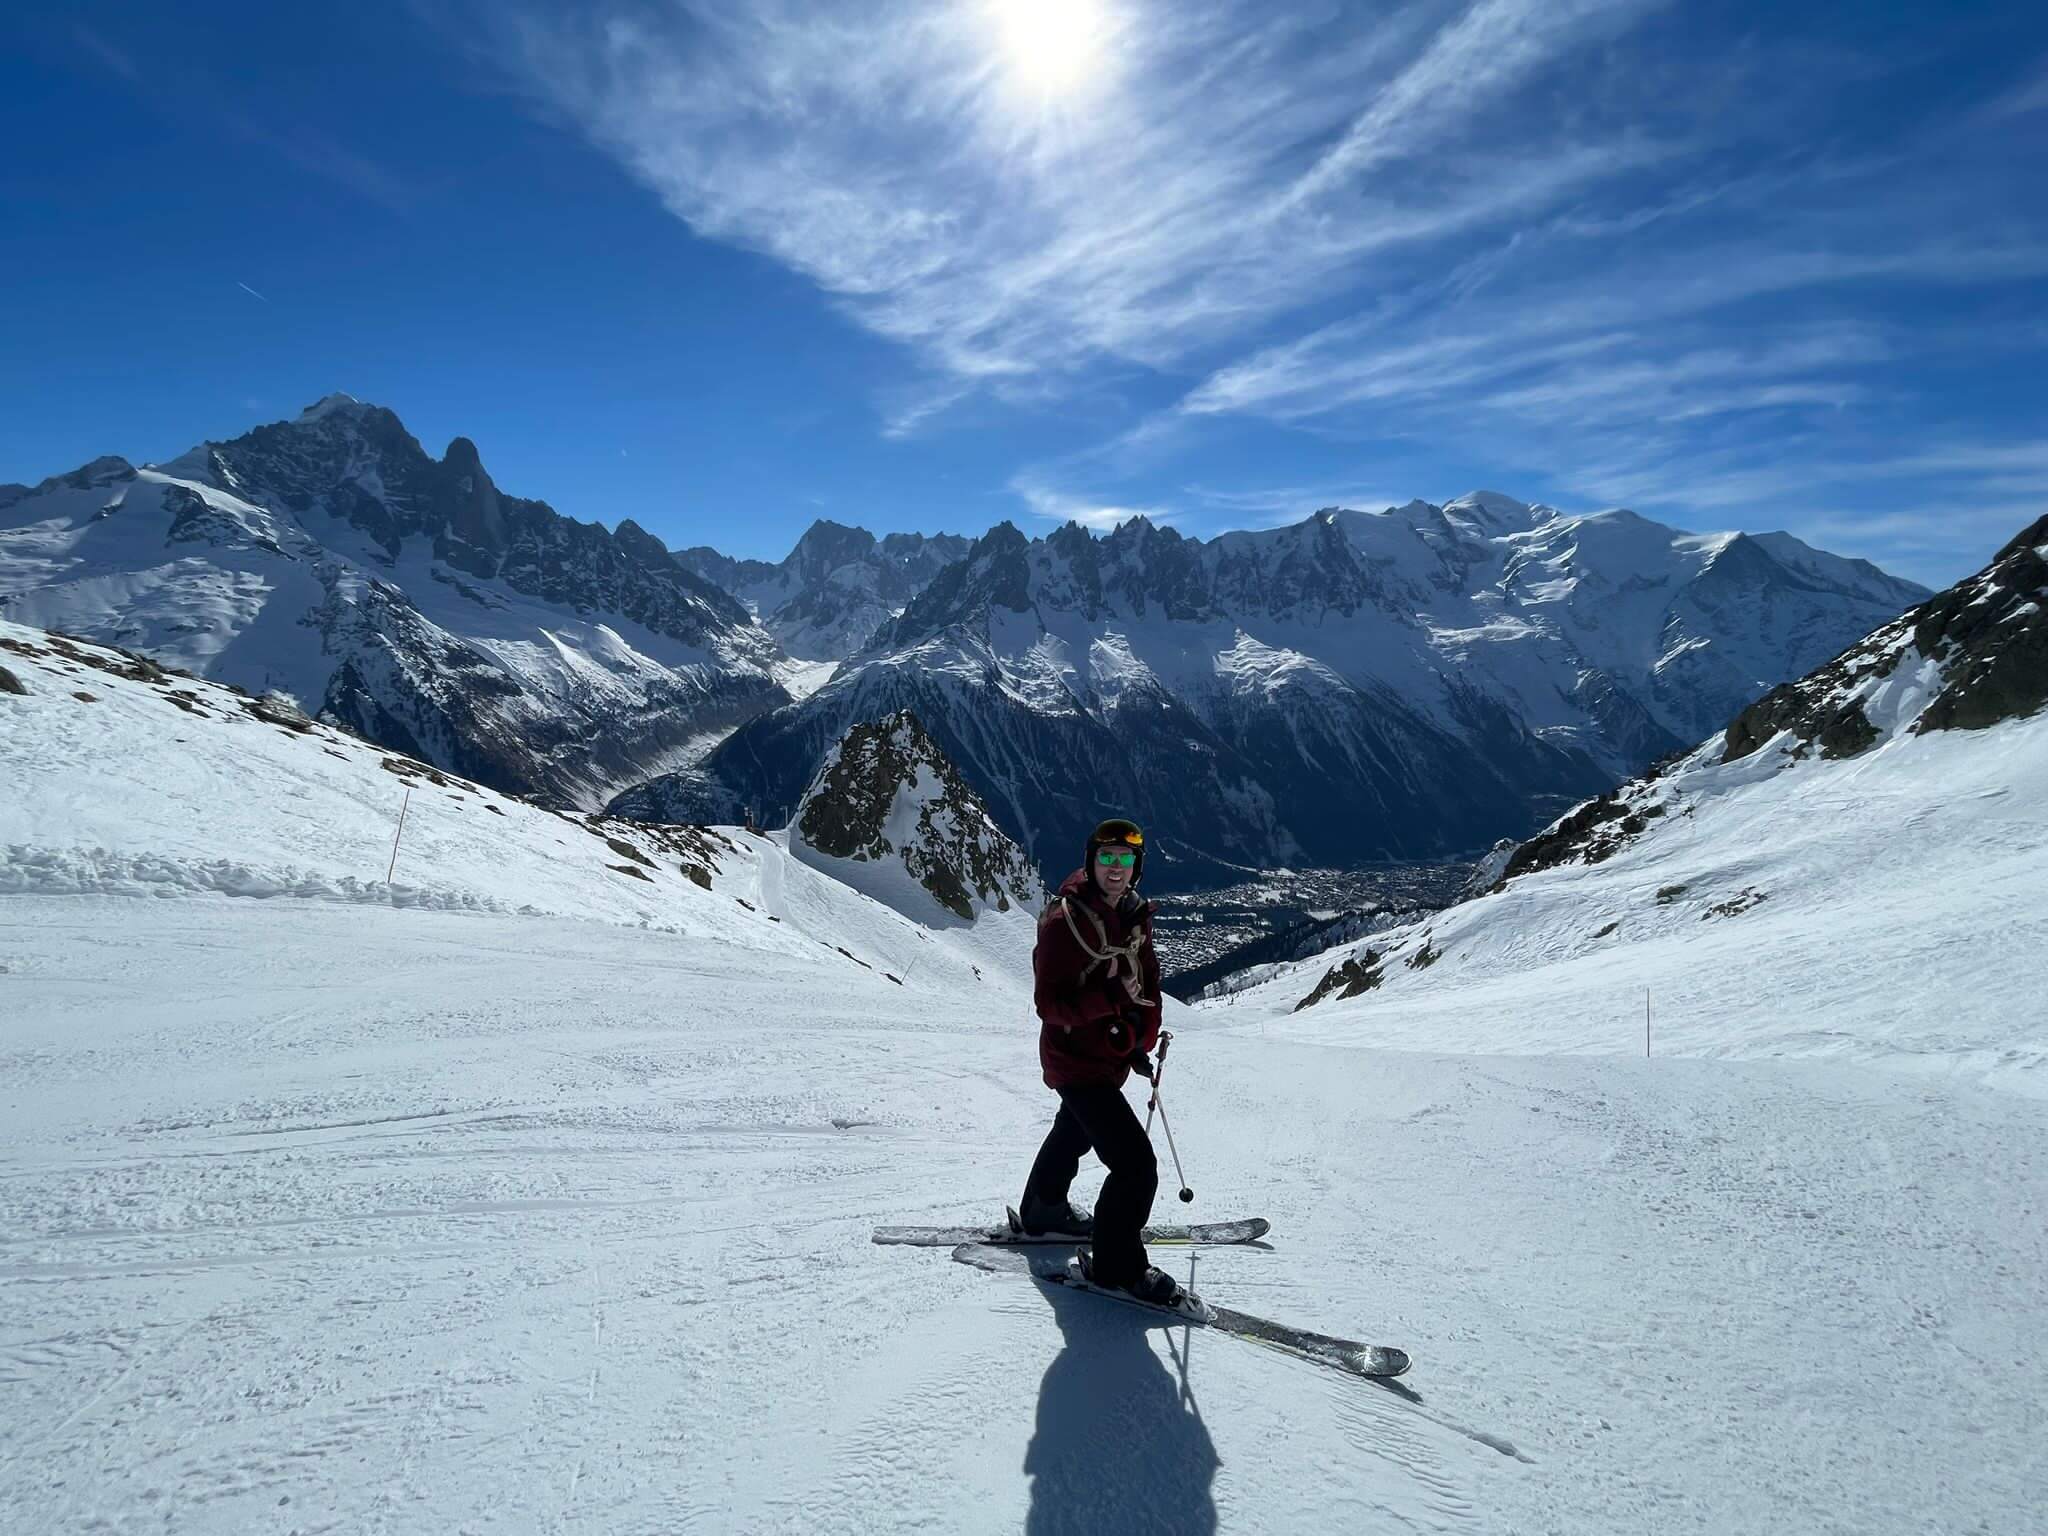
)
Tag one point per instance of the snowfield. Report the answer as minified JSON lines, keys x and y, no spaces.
{"x":530,"y":1194}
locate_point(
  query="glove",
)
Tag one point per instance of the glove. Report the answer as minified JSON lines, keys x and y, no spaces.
{"x":1140,"y":1063}
{"x":1138,"y":1027}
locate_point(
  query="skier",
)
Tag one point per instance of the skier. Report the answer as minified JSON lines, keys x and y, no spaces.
{"x":1097,"y":995}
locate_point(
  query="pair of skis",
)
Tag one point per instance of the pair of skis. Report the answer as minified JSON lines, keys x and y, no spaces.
{"x":1013,"y":1234}
{"x":1009,"y":1250}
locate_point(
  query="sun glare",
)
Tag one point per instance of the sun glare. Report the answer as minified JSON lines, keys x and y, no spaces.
{"x":1054,"y":47}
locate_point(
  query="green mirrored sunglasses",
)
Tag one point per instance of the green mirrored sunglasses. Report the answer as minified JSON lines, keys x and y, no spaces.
{"x":1111,"y":857}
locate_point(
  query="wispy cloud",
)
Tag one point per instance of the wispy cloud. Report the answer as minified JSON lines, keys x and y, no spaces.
{"x":905,"y":412}
{"x":1488,"y":50}
{"x":1231,"y":162}
{"x":1936,"y":527}
{"x":1274,"y":506}
{"x":1618,"y":247}
{"x":1645,"y":321}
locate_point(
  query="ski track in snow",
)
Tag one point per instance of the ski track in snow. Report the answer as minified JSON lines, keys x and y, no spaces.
{"x":317,"y":1217}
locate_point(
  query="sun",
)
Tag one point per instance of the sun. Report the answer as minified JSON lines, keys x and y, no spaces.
{"x":1053,"y":47}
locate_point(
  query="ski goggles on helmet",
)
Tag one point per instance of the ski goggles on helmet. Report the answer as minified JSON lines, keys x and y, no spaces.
{"x":1117,"y":830}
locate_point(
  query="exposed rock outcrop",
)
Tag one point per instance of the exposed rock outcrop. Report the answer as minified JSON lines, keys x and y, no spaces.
{"x":886,"y":796}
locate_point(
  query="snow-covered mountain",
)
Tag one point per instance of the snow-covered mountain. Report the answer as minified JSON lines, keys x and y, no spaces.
{"x":1405,"y":684}
{"x":1869,"y":835}
{"x":840,"y":585}
{"x":887,"y":814}
{"x":127,"y":779}
{"x":330,"y":558}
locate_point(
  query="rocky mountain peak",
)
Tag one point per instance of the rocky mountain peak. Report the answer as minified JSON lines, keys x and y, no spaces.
{"x":886,"y":797}
{"x":462,"y":457}
{"x":826,"y":545}
{"x":835,"y":589}
{"x":1071,"y":540}
{"x":1493,"y":511}
{"x":475,"y":525}
{"x":994,"y":573}
{"x":641,"y":544}
{"x":1005,"y":538}
{"x":108,"y":469}
{"x":332,"y":405}
{"x":404,"y":596}
{"x":356,"y":461}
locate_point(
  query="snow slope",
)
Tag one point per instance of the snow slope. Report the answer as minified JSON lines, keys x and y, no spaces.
{"x":528,"y":1195}
{"x":1856,"y":869}
{"x":1874,"y":910}
{"x":170,"y":785}
{"x":422,"y":1221}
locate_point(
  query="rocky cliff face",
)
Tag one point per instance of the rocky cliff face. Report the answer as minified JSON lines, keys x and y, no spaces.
{"x":1984,"y":642}
{"x":331,"y":558}
{"x":887,"y":798}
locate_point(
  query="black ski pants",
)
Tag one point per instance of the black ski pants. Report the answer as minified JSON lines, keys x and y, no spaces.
{"x":1100,"y":1117}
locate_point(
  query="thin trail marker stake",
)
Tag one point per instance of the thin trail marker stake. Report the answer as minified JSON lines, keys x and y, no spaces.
{"x":402,"y":805}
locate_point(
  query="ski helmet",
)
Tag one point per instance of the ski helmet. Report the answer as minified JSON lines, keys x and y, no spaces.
{"x":1117,"y":833}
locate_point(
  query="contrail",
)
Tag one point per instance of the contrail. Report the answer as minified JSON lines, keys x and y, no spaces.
{"x":250,"y":291}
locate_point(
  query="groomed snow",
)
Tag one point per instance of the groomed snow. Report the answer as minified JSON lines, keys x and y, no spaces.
{"x":372,"y":1218}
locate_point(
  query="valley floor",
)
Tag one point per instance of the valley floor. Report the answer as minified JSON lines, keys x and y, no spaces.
{"x":318,"y":1217}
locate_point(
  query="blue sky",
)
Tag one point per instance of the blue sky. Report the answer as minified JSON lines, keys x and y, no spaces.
{"x":727,"y":268}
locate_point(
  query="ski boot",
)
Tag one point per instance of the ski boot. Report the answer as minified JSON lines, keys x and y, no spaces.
{"x":1155,"y":1287}
{"x":1042,"y":1218}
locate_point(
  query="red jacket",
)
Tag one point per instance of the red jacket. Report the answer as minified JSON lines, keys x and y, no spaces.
{"x":1089,"y":1019}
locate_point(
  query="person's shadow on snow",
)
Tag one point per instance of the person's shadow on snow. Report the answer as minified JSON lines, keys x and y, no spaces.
{"x":1118,"y":1447}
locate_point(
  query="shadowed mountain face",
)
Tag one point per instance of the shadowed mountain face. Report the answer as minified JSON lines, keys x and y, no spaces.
{"x":1408,"y":684}
{"x":407,"y":597}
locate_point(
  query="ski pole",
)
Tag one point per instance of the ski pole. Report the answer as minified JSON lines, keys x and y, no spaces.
{"x":1167,"y":1125}
{"x":1159,"y":1071}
